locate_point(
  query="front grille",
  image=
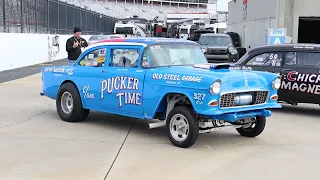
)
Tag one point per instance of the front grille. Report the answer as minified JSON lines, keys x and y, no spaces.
{"x":215,"y":52}
{"x":228,"y":100}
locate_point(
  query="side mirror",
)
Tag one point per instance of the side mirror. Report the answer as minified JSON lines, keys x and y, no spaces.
{"x":241,"y":51}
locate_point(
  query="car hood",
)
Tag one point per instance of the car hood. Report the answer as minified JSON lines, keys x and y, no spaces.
{"x":214,"y":47}
{"x":232,"y":80}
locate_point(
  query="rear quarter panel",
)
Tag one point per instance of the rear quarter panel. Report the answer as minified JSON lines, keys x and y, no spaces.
{"x":53,"y":77}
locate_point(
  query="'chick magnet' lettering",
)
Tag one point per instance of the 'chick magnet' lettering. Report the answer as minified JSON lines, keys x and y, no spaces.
{"x":122,"y":83}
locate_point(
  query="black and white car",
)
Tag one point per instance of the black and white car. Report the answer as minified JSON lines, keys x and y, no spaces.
{"x":298,"y":65}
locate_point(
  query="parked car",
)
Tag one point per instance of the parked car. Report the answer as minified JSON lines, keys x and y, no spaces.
{"x":237,"y":43}
{"x":195,"y":35}
{"x":218,"y":47}
{"x":96,"y":38}
{"x":165,"y":79}
{"x":298,"y":65}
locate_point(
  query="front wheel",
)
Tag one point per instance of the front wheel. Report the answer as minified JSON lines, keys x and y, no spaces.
{"x":182,"y":127}
{"x":254,"y":129}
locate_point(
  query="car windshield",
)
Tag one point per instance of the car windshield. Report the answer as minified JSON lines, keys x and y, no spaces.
{"x":215,"y":41}
{"x":173,"y":55}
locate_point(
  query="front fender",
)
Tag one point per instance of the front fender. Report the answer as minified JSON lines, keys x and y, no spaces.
{"x":156,"y":102}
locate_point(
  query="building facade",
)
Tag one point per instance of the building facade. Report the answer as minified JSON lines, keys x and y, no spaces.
{"x":252,"y":18}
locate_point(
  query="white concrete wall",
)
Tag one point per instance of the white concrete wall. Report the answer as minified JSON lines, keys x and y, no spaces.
{"x":20,"y":50}
{"x":261,"y":15}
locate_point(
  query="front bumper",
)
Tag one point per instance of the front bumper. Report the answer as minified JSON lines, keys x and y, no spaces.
{"x":232,"y":117}
{"x":236,"y":113}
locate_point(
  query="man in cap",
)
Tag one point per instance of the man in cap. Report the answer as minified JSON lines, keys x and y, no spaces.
{"x":74,"y":46}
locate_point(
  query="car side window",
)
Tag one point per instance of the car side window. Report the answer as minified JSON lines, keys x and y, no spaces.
{"x":94,"y":58}
{"x":302,"y":59}
{"x":311,"y":59}
{"x":124,"y":57}
{"x":273,"y":59}
{"x":292,"y":58}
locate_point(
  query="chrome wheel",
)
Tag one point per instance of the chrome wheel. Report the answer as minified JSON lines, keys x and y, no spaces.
{"x":66,"y":102}
{"x":179,"y":127}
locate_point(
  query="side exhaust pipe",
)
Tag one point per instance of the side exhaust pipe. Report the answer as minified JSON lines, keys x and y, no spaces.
{"x":157,"y":124}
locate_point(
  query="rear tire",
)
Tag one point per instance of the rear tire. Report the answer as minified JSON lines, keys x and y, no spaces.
{"x":69,"y":105}
{"x":259,"y":126}
{"x":182,"y":127}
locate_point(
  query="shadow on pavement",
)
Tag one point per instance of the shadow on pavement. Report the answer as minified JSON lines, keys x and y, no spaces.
{"x":141,"y":134}
{"x":300,"y":110}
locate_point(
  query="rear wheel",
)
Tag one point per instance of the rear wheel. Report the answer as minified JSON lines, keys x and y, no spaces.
{"x":253,"y":129}
{"x":182,"y":127}
{"x":69,"y":105}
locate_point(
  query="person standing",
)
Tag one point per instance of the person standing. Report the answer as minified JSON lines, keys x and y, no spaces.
{"x":75,"y":45}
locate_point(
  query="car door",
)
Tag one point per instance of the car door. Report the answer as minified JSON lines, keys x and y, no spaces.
{"x":301,"y":77}
{"x":121,"y":90}
{"x":88,"y":73}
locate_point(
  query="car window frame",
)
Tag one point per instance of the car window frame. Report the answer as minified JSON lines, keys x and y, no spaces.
{"x":251,"y":56}
{"x":148,"y":57}
{"x":138,"y":47}
{"x":88,"y":51}
{"x":303,"y":60}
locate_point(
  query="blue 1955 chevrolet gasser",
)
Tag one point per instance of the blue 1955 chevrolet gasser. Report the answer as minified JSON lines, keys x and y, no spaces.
{"x":165,"y":79}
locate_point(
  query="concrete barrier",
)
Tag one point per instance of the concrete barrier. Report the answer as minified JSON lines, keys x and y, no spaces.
{"x":20,"y":50}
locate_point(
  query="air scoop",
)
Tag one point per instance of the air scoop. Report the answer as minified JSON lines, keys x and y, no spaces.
{"x":212,"y":66}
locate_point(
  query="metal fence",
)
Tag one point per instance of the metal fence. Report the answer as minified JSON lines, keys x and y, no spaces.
{"x":51,"y":16}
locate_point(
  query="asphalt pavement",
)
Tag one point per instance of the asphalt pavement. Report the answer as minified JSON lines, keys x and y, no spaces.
{"x":18,"y":73}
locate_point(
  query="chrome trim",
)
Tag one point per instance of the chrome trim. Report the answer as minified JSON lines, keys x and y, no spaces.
{"x":240,"y":91}
{"x":210,"y":88}
{"x":274,"y":82}
{"x":243,"y":91}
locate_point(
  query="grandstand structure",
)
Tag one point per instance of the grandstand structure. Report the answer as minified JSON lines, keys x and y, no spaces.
{"x":93,"y":16}
{"x":148,"y":9}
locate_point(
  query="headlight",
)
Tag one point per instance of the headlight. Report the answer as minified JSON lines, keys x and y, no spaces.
{"x":276,"y":83}
{"x":215,"y":87}
{"x":232,"y":50}
{"x":204,"y":50}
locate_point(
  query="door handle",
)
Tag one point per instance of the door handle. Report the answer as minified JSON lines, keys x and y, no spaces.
{"x":104,"y":71}
{"x":285,"y":70}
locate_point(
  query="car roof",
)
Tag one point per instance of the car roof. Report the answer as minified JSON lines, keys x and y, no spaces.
{"x":139,"y":41}
{"x":287,"y":47}
{"x":147,"y":41}
{"x":215,"y":34}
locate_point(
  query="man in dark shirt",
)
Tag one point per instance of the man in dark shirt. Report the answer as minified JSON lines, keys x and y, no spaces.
{"x":74,"y":46}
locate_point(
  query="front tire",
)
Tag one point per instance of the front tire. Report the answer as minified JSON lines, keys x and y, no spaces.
{"x":69,"y":105}
{"x":182,"y":127}
{"x":251,"y":131}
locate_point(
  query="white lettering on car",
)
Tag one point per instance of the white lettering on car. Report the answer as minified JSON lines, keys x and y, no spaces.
{"x":86,"y":94}
{"x":122,"y":83}
{"x":175,"y":77}
{"x":307,"y":78}
{"x":302,"y":87}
